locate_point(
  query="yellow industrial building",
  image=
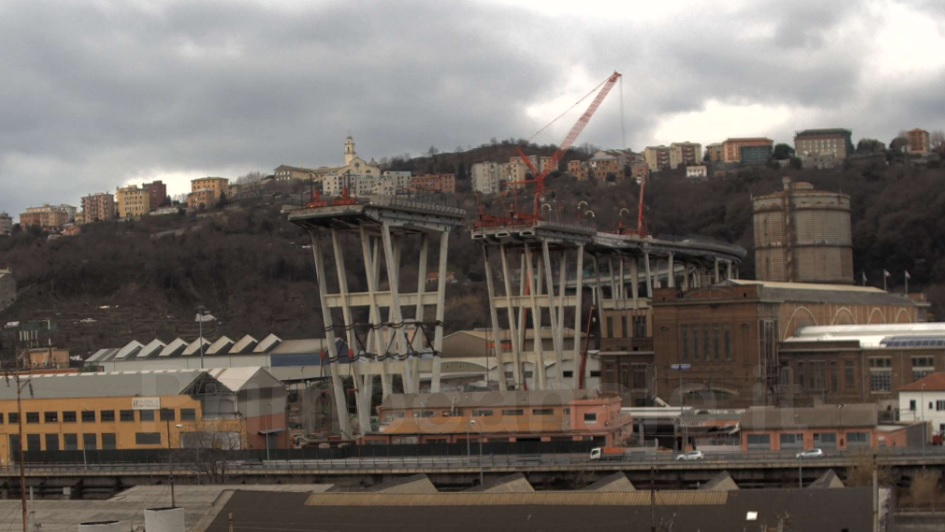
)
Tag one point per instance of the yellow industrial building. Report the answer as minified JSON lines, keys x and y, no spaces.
{"x":235,"y":408}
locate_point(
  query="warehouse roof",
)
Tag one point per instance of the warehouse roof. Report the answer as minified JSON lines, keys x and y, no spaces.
{"x":250,"y":511}
{"x":124,"y":383}
{"x":895,"y":335}
{"x":827,"y":416}
{"x":824,"y":293}
{"x":489,"y":399}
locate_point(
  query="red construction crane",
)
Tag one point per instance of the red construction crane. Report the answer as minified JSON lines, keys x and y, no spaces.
{"x":539,"y":177}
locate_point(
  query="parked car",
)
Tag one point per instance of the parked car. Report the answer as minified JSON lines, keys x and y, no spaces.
{"x":691,"y":456}
{"x":810,"y":453}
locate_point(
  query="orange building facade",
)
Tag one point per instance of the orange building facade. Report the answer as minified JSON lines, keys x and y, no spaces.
{"x":453,"y":417}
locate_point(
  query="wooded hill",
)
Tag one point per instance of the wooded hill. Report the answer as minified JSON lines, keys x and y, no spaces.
{"x":251,"y":268}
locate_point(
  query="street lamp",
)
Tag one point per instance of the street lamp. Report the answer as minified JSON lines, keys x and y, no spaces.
{"x":478,"y":426}
{"x":682,"y":403}
{"x":925,"y":425}
{"x":170,"y":461}
{"x":266,"y":431}
{"x":468,"y":451}
{"x":202,"y":316}
{"x":85,"y":459}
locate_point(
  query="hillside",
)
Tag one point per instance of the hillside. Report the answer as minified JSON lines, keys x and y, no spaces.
{"x":119,"y":281}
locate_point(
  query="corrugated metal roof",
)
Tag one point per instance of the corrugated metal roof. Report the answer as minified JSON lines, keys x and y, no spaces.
{"x":267,"y":343}
{"x":870,"y":336}
{"x":245,"y":343}
{"x":153,"y":347}
{"x":309,"y":345}
{"x":102,"y":354}
{"x":219,"y":346}
{"x":107,"y":384}
{"x":540,"y":498}
{"x":235,"y":378}
{"x":129,"y":349}
{"x":173,"y":348}
{"x":193,"y":348}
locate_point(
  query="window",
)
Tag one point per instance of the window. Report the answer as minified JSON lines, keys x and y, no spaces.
{"x":939,"y":405}
{"x":32,"y":417}
{"x":145,"y":415}
{"x":792,"y":442}
{"x":543,"y":411}
{"x":126,"y":416}
{"x":51,"y":417}
{"x":188,"y":414}
{"x":108,"y":441}
{"x":89,"y":442}
{"x":759,"y":442}
{"x":912,"y":405}
{"x":825,"y":440}
{"x":684,"y":341}
{"x":695,"y":343}
{"x":513,"y":412}
{"x":595,"y":374}
{"x":728,"y":343}
{"x":880,"y":374}
{"x":590,"y":417}
{"x":800,"y":377}
{"x":14,"y":417}
{"x":69,"y":417}
{"x":88,"y":416}
{"x":817,"y":375}
{"x":706,"y":348}
{"x":483,"y":413}
{"x":107,"y":416}
{"x":167,"y":414}
{"x":850,"y":375}
{"x":33,"y":442}
{"x":834,"y":377}
{"x":52,"y":442}
{"x":423,"y":413}
{"x":922,"y":367}
{"x":858,"y":439}
{"x":715,"y":343}
{"x":1,"y":417}
{"x":147,"y":438}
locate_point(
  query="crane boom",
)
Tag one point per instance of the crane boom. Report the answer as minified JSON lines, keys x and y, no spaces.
{"x":566,"y":144}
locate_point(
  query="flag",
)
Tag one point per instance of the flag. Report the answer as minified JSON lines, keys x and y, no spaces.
{"x":863,"y":273}
{"x":886,"y":274}
{"x":907,"y":275}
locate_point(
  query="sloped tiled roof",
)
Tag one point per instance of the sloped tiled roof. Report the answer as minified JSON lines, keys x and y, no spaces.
{"x":931,"y":383}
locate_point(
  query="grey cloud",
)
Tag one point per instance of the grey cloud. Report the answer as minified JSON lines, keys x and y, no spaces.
{"x":93,"y":95}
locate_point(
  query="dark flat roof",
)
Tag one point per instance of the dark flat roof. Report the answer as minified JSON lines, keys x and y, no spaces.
{"x":798,"y":509}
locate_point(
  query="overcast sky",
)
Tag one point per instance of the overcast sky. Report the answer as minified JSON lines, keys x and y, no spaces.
{"x":97,"y":94}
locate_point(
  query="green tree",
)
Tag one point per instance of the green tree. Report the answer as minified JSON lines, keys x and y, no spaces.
{"x":782,"y":152}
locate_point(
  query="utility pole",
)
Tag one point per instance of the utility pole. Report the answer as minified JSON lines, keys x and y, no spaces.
{"x":20,"y":384}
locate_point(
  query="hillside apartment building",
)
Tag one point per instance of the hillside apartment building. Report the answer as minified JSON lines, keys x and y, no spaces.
{"x":823,"y":148}
{"x":6,"y":224}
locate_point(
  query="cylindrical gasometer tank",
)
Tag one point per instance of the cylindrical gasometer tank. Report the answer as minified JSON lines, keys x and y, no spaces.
{"x":803,"y":235}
